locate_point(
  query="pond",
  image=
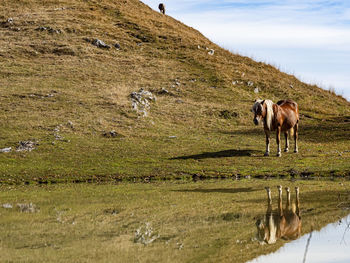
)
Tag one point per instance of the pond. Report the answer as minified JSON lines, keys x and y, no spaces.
{"x":176,"y":221}
{"x":330,"y":244}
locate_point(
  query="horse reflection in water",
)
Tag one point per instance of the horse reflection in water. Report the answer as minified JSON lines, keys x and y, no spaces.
{"x":283,"y":223}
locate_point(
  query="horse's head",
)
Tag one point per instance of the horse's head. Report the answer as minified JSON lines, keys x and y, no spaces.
{"x":262,"y":231}
{"x":259,"y":111}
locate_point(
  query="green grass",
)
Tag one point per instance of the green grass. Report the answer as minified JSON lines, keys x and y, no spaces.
{"x":204,"y":221}
{"x":236,"y":152}
{"x":214,"y":131}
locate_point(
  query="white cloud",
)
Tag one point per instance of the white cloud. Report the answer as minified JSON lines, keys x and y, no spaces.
{"x":315,"y":34}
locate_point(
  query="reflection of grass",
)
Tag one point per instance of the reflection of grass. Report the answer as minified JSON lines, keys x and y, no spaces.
{"x":182,"y":222}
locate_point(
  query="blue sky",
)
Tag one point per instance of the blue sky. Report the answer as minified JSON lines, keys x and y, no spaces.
{"x":310,"y":39}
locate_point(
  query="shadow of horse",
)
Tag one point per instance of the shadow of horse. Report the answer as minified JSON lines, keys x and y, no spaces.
{"x":219,"y":154}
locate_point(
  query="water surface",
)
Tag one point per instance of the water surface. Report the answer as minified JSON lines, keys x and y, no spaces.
{"x":330,"y":244}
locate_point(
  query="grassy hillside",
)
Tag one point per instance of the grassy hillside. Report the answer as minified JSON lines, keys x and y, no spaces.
{"x":60,"y":91}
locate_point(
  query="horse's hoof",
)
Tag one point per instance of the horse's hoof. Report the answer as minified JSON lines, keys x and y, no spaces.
{"x":279,"y":187}
{"x":267,"y":154}
{"x":286,"y":150}
{"x":295,"y":151}
{"x":278,"y":154}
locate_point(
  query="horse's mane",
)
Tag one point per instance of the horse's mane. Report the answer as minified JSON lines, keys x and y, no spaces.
{"x":269,"y":114}
{"x":272,"y":231}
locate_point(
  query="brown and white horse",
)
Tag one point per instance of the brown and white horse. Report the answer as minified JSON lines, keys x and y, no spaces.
{"x":284,"y":223}
{"x":282,"y":117}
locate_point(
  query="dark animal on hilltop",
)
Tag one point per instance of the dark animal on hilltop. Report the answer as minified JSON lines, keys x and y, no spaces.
{"x":283,"y":223}
{"x":282,"y":117}
{"x":161,"y":7}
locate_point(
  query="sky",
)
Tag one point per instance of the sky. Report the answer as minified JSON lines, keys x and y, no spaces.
{"x":309,"y":39}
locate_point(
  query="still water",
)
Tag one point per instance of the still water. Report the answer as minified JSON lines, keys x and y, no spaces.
{"x":329,"y":245}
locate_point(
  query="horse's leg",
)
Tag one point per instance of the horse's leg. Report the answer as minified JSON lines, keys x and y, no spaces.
{"x":287,"y":141}
{"x":269,"y":200}
{"x":278,"y":140}
{"x":280,"y":210}
{"x":297,"y":211}
{"x":267,"y":152}
{"x":288,"y":199}
{"x":269,"y":214}
{"x":296,"y":137}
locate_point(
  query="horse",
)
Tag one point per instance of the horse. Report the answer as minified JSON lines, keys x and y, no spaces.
{"x":161,"y":7}
{"x":284,"y":223}
{"x":282,"y":117}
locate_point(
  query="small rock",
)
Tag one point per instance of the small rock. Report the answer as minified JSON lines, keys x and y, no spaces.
{"x":112,"y":133}
{"x":56,"y":31}
{"x":6,"y":150}
{"x":163,"y":91}
{"x":57,"y":128}
{"x":250,"y":83}
{"x":41,"y":28}
{"x":41,"y":96}
{"x":145,"y":235}
{"x":58,"y":137}
{"x":59,"y":9}
{"x":172,"y":137}
{"x":234,"y":82}
{"x":87,"y":39}
{"x":141,"y":101}
{"x":180,"y":245}
{"x":256,"y":90}
{"x":111,"y":211}
{"x":7,"y":206}
{"x":212,"y":87}
{"x":291,"y":86}
{"x":100,"y":44}
{"x":199,"y":47}
{"x":28,"y":208}
{"x":117,"y":46}
{"x":211,"y":52}
{"x":179,"y":101}
{"x":70,"y":124}
{"x":10,"y":20}
{"x":26,"y":146}
{"x":49,"y":29}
